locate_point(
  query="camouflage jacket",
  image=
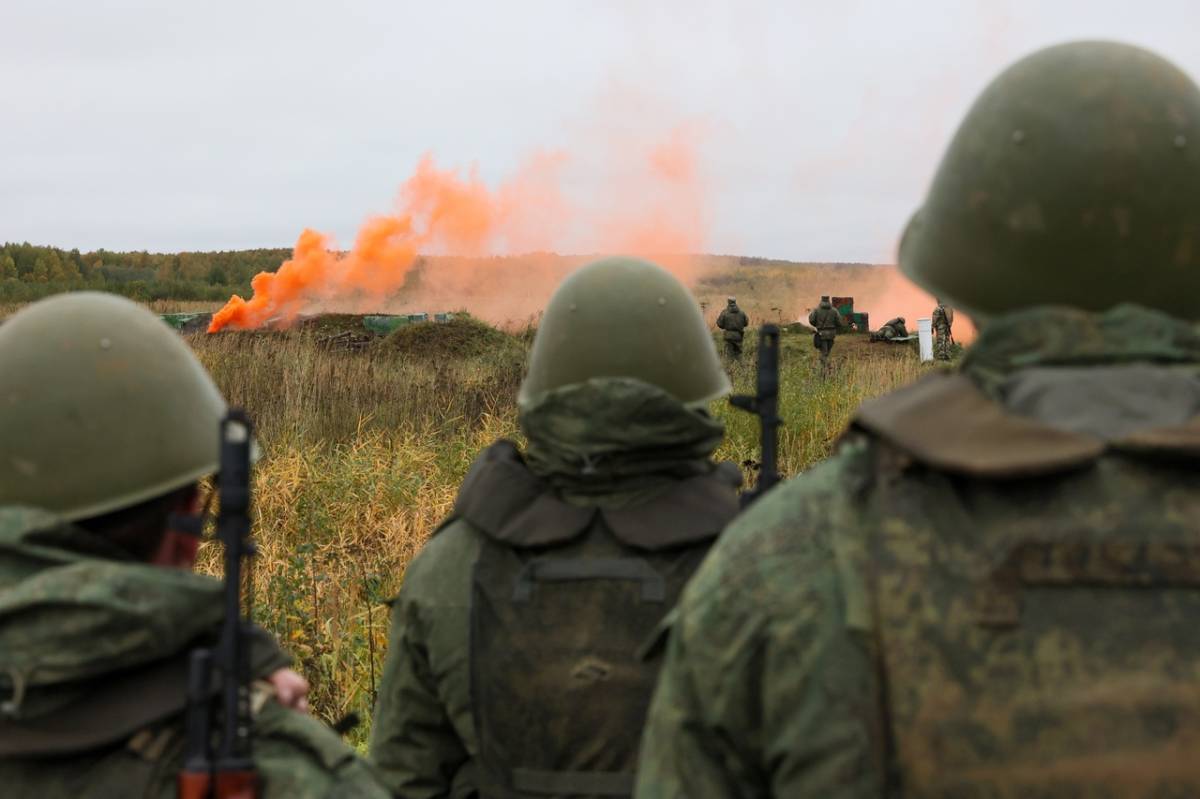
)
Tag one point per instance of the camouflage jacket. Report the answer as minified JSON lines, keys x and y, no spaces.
{"x":93,"y":660}
{"x":733,"y":321}
{"x":941,"y":320}
{"x":611,"y":452}
{"x":989,"y":591}
{"x":826,"y":319}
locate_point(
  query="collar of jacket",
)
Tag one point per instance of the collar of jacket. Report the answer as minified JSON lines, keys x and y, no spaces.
{"x":947,"y":422}
{"x":1056,"y":336}
{"x":509,"y":503}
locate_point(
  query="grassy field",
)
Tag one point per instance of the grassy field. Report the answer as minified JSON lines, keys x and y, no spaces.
{"x":365,"y":450}
{"x":365,"y":447}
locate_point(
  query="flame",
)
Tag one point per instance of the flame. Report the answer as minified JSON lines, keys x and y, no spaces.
{"x":653,"y":207}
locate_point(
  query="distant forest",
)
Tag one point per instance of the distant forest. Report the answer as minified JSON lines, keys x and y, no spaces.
{"x":29,"y":272}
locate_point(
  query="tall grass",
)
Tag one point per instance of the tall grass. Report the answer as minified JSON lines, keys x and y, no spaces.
{"x":364,"y":451}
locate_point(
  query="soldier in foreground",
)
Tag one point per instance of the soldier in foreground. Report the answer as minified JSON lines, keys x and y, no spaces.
{"x":942,"y":320}
{"x":733,"y":321}
{"x":108,"y":423}
{"x":826,"y":320}
{"x":514,"y":667}
{"x":992,"y":589}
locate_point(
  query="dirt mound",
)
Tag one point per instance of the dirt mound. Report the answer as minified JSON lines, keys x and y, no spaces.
{"x":461,"y":337}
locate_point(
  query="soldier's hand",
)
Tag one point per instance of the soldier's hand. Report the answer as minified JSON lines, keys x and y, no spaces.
{"x":291,"y":690}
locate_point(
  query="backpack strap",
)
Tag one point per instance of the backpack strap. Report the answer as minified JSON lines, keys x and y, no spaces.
{"x":561,"y":570}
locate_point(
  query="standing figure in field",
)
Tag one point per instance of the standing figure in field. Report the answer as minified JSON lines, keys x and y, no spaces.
{"x":826,"y":320}
{"x":943,"y":318}
{"x":1008,"y":610}
{"x":108,"y":424}
{"x":891,"y":329}
{"x":733,"y":321}
{"x":515,"y":666}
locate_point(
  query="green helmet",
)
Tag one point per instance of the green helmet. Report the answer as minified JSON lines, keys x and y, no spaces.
{"x":623,"y":317}
{"x":1073,"y":180}
{"x":104,"y":407}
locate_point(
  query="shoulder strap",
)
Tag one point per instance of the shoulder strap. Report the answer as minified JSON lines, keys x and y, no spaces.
{"x":117,"y":708}
{"x":508,"y":503}
{"x":947,"y":423}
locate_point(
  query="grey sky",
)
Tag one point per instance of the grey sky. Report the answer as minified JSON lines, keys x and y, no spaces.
{"x":210,"y":125}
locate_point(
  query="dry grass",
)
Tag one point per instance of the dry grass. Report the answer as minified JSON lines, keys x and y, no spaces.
{"x":364,"y":452}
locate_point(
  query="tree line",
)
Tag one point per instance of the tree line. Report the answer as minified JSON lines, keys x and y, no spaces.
{"x":29,"y":272}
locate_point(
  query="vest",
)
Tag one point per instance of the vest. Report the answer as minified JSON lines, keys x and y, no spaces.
{"x":565,"y":602}
{"x":1033,"y":596}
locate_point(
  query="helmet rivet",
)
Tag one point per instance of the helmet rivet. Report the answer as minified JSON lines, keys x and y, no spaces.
{"x":1180,"y":141}
{"x":662,"y":300}
{"x":574,"y":307}
{"x":105,"y":343}
{"x":1018,"y":136}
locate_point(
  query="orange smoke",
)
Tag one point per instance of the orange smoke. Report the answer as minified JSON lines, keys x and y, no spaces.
{"x":654,"y":206}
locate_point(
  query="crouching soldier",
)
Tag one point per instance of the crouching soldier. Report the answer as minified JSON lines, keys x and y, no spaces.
{"x":513,"y":668}
{"x":109,"y":421}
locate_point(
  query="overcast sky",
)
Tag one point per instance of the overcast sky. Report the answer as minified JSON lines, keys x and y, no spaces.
{"x":216,"y":125}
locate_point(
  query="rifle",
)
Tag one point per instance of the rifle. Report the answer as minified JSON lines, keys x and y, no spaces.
{"x":765,"y":405}
{"x":228,"y":772}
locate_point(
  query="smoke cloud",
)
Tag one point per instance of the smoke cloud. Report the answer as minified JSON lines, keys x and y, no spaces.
{"x":652,"y":204}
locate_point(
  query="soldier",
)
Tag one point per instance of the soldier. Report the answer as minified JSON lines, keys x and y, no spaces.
{"x":942,"y":319}
{"x":514,"y":666}
{"x":992,"y":588}
{"x":109,"y":421}
{"x":892,"y":329}
{"x":827,"y":321}
{"x":733,"y":321}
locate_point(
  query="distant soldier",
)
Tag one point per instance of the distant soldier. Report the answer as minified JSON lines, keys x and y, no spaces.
{"x":891,"y":329}
{"x":108,"y":424}
{"x":733,"y":321}
{"x":942,"y":319}
{"x":992,"y":588}
{"x":826,"y":320}
{"x":514,"y":667}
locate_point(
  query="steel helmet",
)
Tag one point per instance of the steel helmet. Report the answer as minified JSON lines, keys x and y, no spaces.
{"x":1073,"y":180}
{"x":104,"y":407}
{"x":625,"y":317}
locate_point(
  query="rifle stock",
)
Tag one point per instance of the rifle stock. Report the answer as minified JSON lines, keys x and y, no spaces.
{"x":765,"y":405}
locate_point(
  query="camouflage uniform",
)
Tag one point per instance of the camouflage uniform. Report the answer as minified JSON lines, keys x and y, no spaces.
{"x":108,"y":416}
{"x":893,"y":328}
{"x":941,"y":327}
{"x":733,"y":321}
{"x":932,"y":608}
{"x":827,"y":321}
{"x":991,"y":589}
{"x":513,"y":665}
{"x":93,"y":665}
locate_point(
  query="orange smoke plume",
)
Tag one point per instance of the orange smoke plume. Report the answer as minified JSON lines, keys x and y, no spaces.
{"x":436,"y":208}
{"x":652,"y":207}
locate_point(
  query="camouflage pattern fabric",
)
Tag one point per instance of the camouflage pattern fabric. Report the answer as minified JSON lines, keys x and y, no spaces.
{"x":76,"y":615}
{"x":941,"y":328}
{"x":733,"y":321}
{"x":964,"y":601}
{"x":826,"y":320}
{"x":609,"y":449}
